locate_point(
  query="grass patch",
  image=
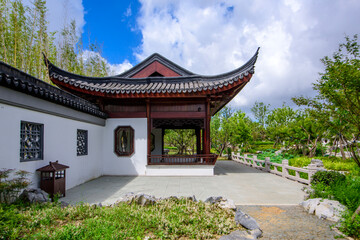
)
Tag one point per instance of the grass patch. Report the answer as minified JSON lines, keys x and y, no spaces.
{"x":330,"y":163}
{"x":169,"y":219}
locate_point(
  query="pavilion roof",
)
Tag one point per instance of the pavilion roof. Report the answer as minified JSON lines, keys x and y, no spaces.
{"x":20,"y":81}
{"x":132,"y":83}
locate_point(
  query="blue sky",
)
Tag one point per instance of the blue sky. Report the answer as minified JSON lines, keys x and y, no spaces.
{"x":215,"y":36}
{"x":113,"y":26}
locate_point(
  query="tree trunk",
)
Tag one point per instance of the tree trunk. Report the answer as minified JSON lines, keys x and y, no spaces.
{"x":313,"y":149}
{"x":357,"y":211}
{"x":342,"y":148}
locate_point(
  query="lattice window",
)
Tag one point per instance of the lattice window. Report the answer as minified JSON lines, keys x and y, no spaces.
{"x":31,"y":141}
{"x":82,"y":142}
{"x":124,"y":141}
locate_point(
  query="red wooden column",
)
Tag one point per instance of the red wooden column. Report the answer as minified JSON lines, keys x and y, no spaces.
{"x":207,"y":127}
{"x":148,"y":116}
{"x":198,"y":140}
{"x":162,"y":141}
{"x":203,"y":138}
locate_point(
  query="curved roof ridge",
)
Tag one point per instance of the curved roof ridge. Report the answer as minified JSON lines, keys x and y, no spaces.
{"x":247,"y":67}
{"x":161,"y":59}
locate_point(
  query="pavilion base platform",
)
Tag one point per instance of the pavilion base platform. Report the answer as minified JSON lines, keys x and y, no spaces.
{"x":179,"y":170}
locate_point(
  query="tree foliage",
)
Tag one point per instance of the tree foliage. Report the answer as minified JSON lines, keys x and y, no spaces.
{"x":338,"y":102}
{"x":24,"y":36}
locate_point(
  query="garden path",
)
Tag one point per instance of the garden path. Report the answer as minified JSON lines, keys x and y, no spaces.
{"x":244,"y":185}
{"x":290,"y":222}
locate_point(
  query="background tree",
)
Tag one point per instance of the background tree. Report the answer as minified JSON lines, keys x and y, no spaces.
{"x":339,"y":89}
{"x":240,"y":127}
{"x":221,"y":130}
{"x":24,"y":36}
{"x":183,"y":139}
{"x":260,"y":111}
{"x":278,"y":123}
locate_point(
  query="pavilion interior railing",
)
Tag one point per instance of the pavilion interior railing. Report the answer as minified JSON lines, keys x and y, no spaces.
{"x":199,"y":159}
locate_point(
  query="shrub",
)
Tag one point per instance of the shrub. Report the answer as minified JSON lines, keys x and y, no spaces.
{"x":10,"y":186}
{"x":327,"y":178}
{"x":333,"y":185}
{"x":350,"y":226}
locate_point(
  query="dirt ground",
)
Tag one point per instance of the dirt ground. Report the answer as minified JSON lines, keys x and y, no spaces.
{"x":290,"y":222}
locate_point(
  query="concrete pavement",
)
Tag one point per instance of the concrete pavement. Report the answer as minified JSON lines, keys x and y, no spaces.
{"x":243,"y":184}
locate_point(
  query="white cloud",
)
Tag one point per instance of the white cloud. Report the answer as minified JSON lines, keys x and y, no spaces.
{"x":128,"y":12}
{"x":211,"y":37}
{"x":214,"y":36}
{"x":62,"y":12}
{"x":114,"y":69}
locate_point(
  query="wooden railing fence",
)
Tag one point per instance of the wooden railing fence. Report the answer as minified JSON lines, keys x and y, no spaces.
{"x":301,"y":175}
{"x":199,"y":159}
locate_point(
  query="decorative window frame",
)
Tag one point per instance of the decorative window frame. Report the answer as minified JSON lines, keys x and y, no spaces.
{"x":35,"y":139}
{"x":131,"y":135}
{"x":82,"y":142}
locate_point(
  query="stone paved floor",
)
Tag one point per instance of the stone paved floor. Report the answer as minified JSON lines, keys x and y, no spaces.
{"x":290,"y":223}
{"x":243,"y":184}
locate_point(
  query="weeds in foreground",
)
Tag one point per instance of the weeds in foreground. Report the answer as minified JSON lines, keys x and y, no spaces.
{"x":169,"y":219}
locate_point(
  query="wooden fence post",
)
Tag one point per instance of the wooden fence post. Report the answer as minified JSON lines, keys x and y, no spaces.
{"x":267,"y":164}
{"x":285,"y":164}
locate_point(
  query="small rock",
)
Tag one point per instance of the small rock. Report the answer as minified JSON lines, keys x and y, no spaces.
{"x":144,"y":199}
{"x":317,"y":162}
{"x":222,"y":202}
{"x":191,"y":198}
{"x":240,"y":235}
{"x":213,"y":200}
{"x":34,"y":195}
{"x":324,"y":208}
{"x":278,"y":152}
{"x":245,"y":220}
{"x":141,"y":199}
{"x":256,"y":233}
{"x":63,"y":204}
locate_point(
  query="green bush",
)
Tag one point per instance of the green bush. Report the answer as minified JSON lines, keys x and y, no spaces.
{"x":346,"y":190}
{"x":349,"y":226}
{"x":327,"y":178}
{"x":11,"y":183}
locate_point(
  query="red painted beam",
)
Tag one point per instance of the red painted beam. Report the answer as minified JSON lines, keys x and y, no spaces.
{"x":177,"y":115}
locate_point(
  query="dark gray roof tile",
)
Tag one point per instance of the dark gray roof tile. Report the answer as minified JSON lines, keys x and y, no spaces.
{"x":187,"y":82}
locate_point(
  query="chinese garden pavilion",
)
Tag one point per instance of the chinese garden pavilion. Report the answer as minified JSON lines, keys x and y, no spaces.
{"x":166,"y":95}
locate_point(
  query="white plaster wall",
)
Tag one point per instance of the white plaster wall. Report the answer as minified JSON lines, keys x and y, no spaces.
{"x":180,"y":170}
{"x":129,"y":165}
{"x":158,"y":141}
{"x":59,"y":144}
